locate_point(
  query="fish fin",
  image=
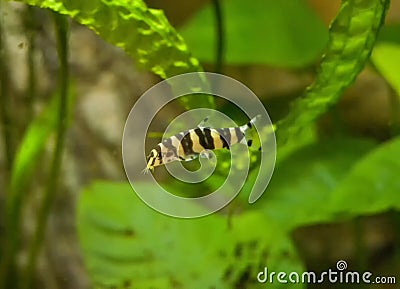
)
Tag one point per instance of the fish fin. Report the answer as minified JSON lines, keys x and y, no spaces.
{"x":250,"y":124}
{"x":202,"y":124}
{"x":191,"y":157}
{"x":206,"y":154}
{"x":251,"y":138}
{"x":147,"y":170}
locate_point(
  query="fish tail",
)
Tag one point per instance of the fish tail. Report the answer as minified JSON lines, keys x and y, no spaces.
{"x":248,"y":130}
{"x":250,"y":124}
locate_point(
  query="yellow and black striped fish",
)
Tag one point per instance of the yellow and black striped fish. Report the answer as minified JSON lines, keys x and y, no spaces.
{"x":189,"y":144}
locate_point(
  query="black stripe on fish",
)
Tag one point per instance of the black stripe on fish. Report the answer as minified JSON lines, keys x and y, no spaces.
{"x":225,"y":135}
{"x":202,"y":138}
{"x":187,"y":143}
{"x":170,"y":147}
{"x":209,"y":138}
{"x":239,"y":134}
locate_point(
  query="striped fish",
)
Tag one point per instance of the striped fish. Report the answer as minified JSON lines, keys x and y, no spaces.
{"x":190,"y":144}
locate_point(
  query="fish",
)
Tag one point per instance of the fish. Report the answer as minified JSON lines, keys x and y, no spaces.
{"x":195,"y":142}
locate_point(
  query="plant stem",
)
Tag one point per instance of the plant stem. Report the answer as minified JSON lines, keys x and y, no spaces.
{"x":61,"y":27}
{"x":5,"y":104}
{"x":395,"y":216}
{"x":219,"y":36}
{"x":30,"y":28}
{"x":361,"y":251}
{"x":7,"y":252}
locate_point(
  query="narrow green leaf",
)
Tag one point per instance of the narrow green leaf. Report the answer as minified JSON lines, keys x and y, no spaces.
{"x":25,"y":162}
{"x":386,"y":57}
{"x":372,"y":186}
{"x":352,"y":36}
{"x":144,"y":34}
{"x":281,"y":33}
{"x":34,"y":141}
{"x":31,"y":147}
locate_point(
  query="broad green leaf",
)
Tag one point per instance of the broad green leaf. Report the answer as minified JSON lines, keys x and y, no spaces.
{"x":302,"y":183}
{"x":352,"y":36}
{"x":372,"y":186}
{"x":144,"y":34}
{"x":307,"y":137}
{"x":386,"y":57}
{"x":125,"y":242}
{"x":281,"y":33}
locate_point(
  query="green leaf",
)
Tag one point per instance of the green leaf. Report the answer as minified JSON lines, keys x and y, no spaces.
{"x":125,"y":242}
{"x":33,"y":144}
{"x":386,"y":57}
{"x":144,"y":34}
{"x":372,"y":186}
{"x":302,"y":183}
{"x":390,"y":33}
{"x":281,"y":33}
{"x":26,"y":161}
{"x":352,"y":36}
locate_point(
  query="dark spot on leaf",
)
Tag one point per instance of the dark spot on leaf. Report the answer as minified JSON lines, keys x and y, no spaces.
{"x":228,"y":273}
{"x":175,"y":283}
{"x":129,"y":233}
{"x":243,"y":278}
{"x":127,"y":284}
{"x":221,"y":253}
{"x":238,"y":250}
{"x":285,"y":254}
{"x":264,"y":254}
{"x":252,"y":244}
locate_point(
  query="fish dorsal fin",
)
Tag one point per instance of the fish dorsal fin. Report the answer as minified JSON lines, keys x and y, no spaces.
{"x":202,"y":124}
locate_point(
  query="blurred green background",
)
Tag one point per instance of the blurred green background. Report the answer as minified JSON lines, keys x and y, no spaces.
{"x":328,"y":72}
